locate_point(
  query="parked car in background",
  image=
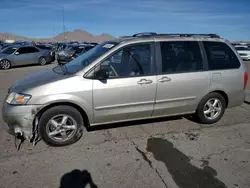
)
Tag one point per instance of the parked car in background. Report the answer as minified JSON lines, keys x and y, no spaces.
{"x":50,"y":48}
{"x":23,"y":43}
{"x":23,"y":55}
{"x":71,"y":52}
{"x":244,"y":51}
{"x":125,"y":80}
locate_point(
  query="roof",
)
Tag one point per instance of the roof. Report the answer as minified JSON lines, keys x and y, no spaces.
{"x":172,"y":36}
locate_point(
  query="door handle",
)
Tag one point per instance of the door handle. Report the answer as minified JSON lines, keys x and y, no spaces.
{"x":144,"y":81}
{"x":165,"y":79}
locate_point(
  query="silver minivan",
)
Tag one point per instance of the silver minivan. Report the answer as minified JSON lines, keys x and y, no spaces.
{"x":138,"y":77}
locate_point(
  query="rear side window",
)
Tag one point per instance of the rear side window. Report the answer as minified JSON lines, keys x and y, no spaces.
{"x":22,"y":50}
{"x":31,"y":50}
{"x":220,"y":56}
{"x":181,"y":56}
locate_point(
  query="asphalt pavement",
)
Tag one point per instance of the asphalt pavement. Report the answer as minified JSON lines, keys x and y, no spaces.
{"x":167,"y":152}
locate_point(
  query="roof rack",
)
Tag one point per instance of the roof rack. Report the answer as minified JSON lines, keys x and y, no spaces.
{"x":149,"y":34}
{"x":144,"y":34}
{"x":189,"y":35}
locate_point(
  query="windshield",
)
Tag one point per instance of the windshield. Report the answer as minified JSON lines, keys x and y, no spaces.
{"x":241,"y":48}
{"x":72,"y":48}
{"x":8,"y":50}
{"x":88,"y":57}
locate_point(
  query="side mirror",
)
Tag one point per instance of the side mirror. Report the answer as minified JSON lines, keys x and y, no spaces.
{"x":102,"y":74}
{"x":17,"y":53}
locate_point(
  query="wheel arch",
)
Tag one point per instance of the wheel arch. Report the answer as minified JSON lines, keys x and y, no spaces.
{"x":223,"y":94}
{"x":77,"y":107}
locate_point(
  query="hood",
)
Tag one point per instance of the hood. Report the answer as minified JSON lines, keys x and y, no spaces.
{"x":39,"y":79}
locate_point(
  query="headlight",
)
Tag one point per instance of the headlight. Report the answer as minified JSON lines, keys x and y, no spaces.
{"x":18,"y":98}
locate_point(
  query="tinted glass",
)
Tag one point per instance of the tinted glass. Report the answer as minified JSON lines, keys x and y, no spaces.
{"x":220,"y":56}
{"x":31,"y":50}
{"x":22,"y":50}
{"x":128,"y":62}
{"x":183,"y":56}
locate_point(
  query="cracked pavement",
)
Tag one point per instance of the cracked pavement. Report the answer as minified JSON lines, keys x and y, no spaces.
{"x":168,"y":152}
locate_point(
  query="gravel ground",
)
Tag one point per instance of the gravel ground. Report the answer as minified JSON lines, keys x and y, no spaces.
{"x":168,"y":152}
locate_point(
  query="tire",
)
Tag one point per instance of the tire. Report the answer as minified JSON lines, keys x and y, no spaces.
{"x":5,"y":64}
{"x":42,"y":61}
{"x":204,"y":111}
{"x":46,"y":128}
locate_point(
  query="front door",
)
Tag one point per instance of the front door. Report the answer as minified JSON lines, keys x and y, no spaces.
{"x":181,"y":81}
{"x":24,"y":56}
{"x":129,"y":93}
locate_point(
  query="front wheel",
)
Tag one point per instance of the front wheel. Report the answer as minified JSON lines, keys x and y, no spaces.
{"x":5,"y":64}
{"x":211,"y":108}
{"x":42,"y":61}
{"x":61,"y":126}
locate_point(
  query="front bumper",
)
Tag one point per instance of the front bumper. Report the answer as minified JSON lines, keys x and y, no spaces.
{"x":20,"y":118}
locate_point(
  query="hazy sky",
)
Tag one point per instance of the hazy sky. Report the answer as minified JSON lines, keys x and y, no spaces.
{"x":43,"y":18}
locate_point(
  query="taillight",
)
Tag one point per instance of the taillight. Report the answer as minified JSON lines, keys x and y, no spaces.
{"x":245,"y":80}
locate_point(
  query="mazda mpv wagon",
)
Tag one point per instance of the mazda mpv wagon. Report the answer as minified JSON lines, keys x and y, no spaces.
{"x":143,"y":76}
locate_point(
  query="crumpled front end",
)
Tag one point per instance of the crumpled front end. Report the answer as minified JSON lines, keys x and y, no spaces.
{"x":20,"y":119}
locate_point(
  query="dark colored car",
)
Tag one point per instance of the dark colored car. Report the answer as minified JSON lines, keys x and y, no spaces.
{"x":50,"y":48}
{"x":71,"y":52}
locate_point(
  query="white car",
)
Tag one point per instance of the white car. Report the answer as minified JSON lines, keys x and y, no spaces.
{"x":244,"y":51}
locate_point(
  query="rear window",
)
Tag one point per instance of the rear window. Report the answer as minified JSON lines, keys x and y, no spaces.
{"x":220,"y":56}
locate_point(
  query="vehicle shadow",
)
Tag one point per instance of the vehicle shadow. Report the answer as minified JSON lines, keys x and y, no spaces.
{"x":77,"y":179}
{"x":138,"y":122}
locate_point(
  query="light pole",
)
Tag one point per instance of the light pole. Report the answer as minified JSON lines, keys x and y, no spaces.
{"x":64,"y":37}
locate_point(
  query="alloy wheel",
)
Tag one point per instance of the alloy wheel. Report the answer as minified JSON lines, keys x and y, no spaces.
{"x":42,"y":61}
{"x":212,"y":108}
{"x":5,"y":64}
{"x":61,"y":128}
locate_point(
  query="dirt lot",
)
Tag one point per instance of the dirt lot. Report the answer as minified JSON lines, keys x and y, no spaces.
{"x":171,"y":152}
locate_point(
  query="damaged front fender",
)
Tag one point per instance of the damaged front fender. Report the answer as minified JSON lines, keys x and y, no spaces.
{"x":22,"y":119}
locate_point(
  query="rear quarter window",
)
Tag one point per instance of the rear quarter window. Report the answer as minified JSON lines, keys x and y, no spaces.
{"x":220,"y":56}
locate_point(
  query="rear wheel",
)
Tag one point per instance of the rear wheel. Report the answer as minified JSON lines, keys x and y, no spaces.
{"x":61,"y":126}
{"x":211,"y":108}
{"x":5,"y":64}
{"x":42,"y":61}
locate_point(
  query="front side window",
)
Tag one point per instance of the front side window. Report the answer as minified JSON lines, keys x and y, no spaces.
{"x":220,"y":56}
{"x":181,"y":56}
{"x":87,"y":58}
{"x":8,"y":50}
{"x":129,"y":62}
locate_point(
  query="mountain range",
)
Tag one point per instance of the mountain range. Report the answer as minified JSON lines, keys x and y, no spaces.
{"x":76,"y":35}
